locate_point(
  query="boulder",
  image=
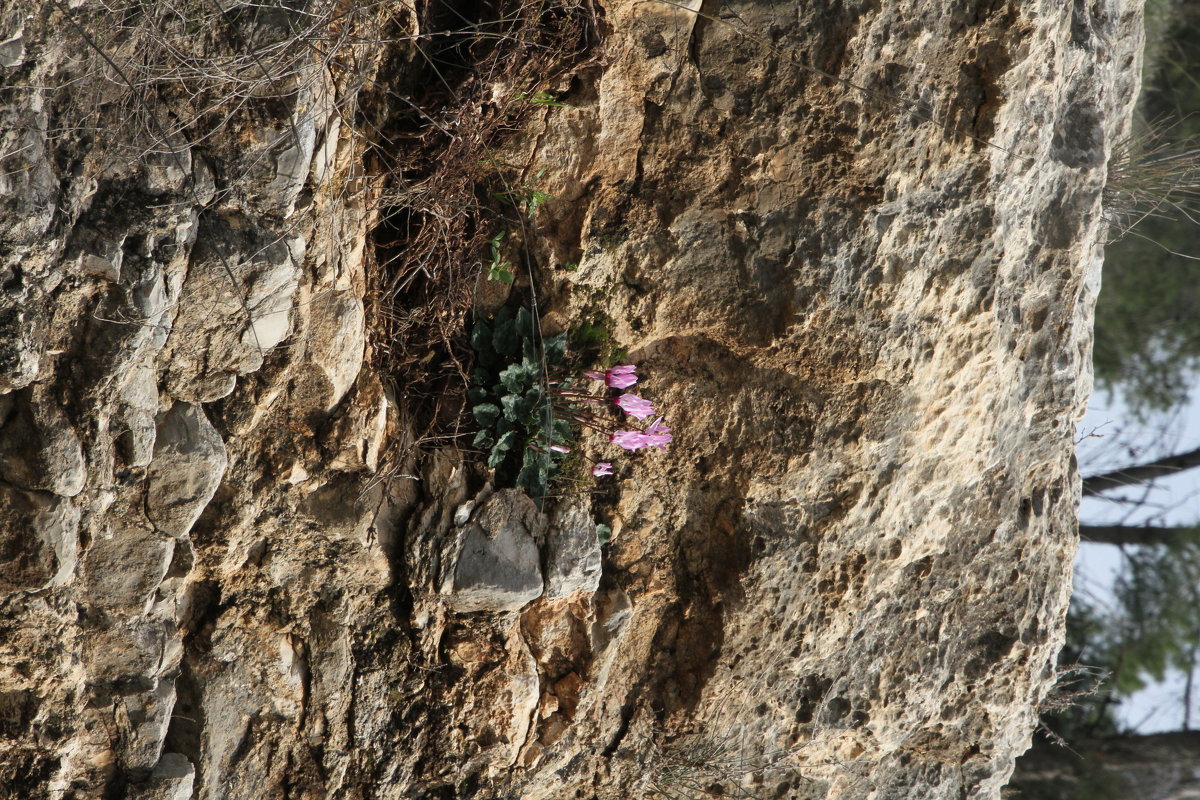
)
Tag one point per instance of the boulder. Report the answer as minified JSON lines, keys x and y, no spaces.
{"x":39,"y":449}
{"x":172,"y":779}
{"x":122,"y":570}
{"x":498,"y":566}
{"x":38,"y":538}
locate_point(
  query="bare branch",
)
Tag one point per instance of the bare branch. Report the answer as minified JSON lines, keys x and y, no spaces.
{"x":1136,"y":535}
{"x":1140,"y":473}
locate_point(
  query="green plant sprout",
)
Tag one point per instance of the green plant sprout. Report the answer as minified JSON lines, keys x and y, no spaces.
{"x":542,"y":99}
{"x":499,"y":269}
{"x":525,"y":196}
{"x":508,"y":398}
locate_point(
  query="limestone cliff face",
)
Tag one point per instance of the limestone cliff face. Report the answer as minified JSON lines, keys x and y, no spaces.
{"x":864,"y":301}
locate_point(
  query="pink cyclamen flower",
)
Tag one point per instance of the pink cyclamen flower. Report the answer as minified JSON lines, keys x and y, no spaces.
{"x":621,"y":377}
{"x":635,"y":406}
{"x":558,"y":448}
{"x":602,"y":468}
{"x":657,"y":434}
{"x":630,"y":440}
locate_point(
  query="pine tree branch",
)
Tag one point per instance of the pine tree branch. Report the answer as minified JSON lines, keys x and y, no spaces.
{"x":1140,"y":473}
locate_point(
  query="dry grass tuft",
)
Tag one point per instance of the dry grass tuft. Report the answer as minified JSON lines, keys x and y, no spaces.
{"x":1152,"y":174}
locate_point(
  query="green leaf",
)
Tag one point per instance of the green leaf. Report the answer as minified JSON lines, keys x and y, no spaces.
{"x":516,"y":378}
{"x":535,"y":200}
{"x":520,"y":409}
{"x":506,"y":338}
{"x":501,"y":272}
{"x":603,"y":533}
{"x":555,"y":348}
{"x":477,"y":394}
{"x":524,"y":323}
{"x":527,"y":412}
{"x":499,"y":269}
{"x":510,"y":401}
{"x":502,"y":447}
{"x":481,"y":341}
{"x":486,"y":413}
{"x":534,"y":474}
{"x":483,"y":440}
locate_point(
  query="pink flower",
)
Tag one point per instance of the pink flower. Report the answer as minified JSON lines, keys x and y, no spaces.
{"x":621,"y":377}
{"x":630,"y":440}
{"x":602,"y":468}
{"x":635,"y":406}
{"x":657,"y":434}
{"x":558,"y":448}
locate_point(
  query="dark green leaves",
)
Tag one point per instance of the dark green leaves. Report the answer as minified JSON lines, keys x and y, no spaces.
{"x":509,"y":401}
{"x":520,"y":376}
{"x":500,"y":450}
{"x":506,"y":340}
{"x":486,"y":413}
{"x":535,"y":473}
{"x":555,"y":348}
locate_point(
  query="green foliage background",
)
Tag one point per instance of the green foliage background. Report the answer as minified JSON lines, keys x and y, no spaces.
{"x":1148,"y":314}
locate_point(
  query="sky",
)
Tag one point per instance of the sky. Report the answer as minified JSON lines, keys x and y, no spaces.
{"x":1107,"y":439}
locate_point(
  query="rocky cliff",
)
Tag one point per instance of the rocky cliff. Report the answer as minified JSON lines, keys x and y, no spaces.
{"x":854,"y":247}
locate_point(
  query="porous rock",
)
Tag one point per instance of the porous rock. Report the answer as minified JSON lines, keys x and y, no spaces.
{"x":123,"y":568}
{"x":173,"y":778}
{"x":38,"y":539}
{"x":868,"y":328}
{"x":39,"y":448}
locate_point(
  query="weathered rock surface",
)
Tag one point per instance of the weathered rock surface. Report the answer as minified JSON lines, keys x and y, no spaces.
{"x":497,"y":567}
{"x":864,"y":302}
{"x":187,"y":466}
{"x":573,"y":558}
{"x":172,"y":779}
{"x":39,"y":536}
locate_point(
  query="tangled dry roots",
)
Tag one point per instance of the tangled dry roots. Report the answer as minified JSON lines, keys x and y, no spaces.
{"x":433,"y":89}
{"x":472,"y":78}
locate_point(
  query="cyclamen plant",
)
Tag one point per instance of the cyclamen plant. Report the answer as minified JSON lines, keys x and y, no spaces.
{"x":531,"y":408}
{"x":656,"y":433}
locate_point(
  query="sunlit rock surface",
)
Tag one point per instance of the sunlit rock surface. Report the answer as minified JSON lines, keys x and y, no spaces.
{"x":865,"y":304}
